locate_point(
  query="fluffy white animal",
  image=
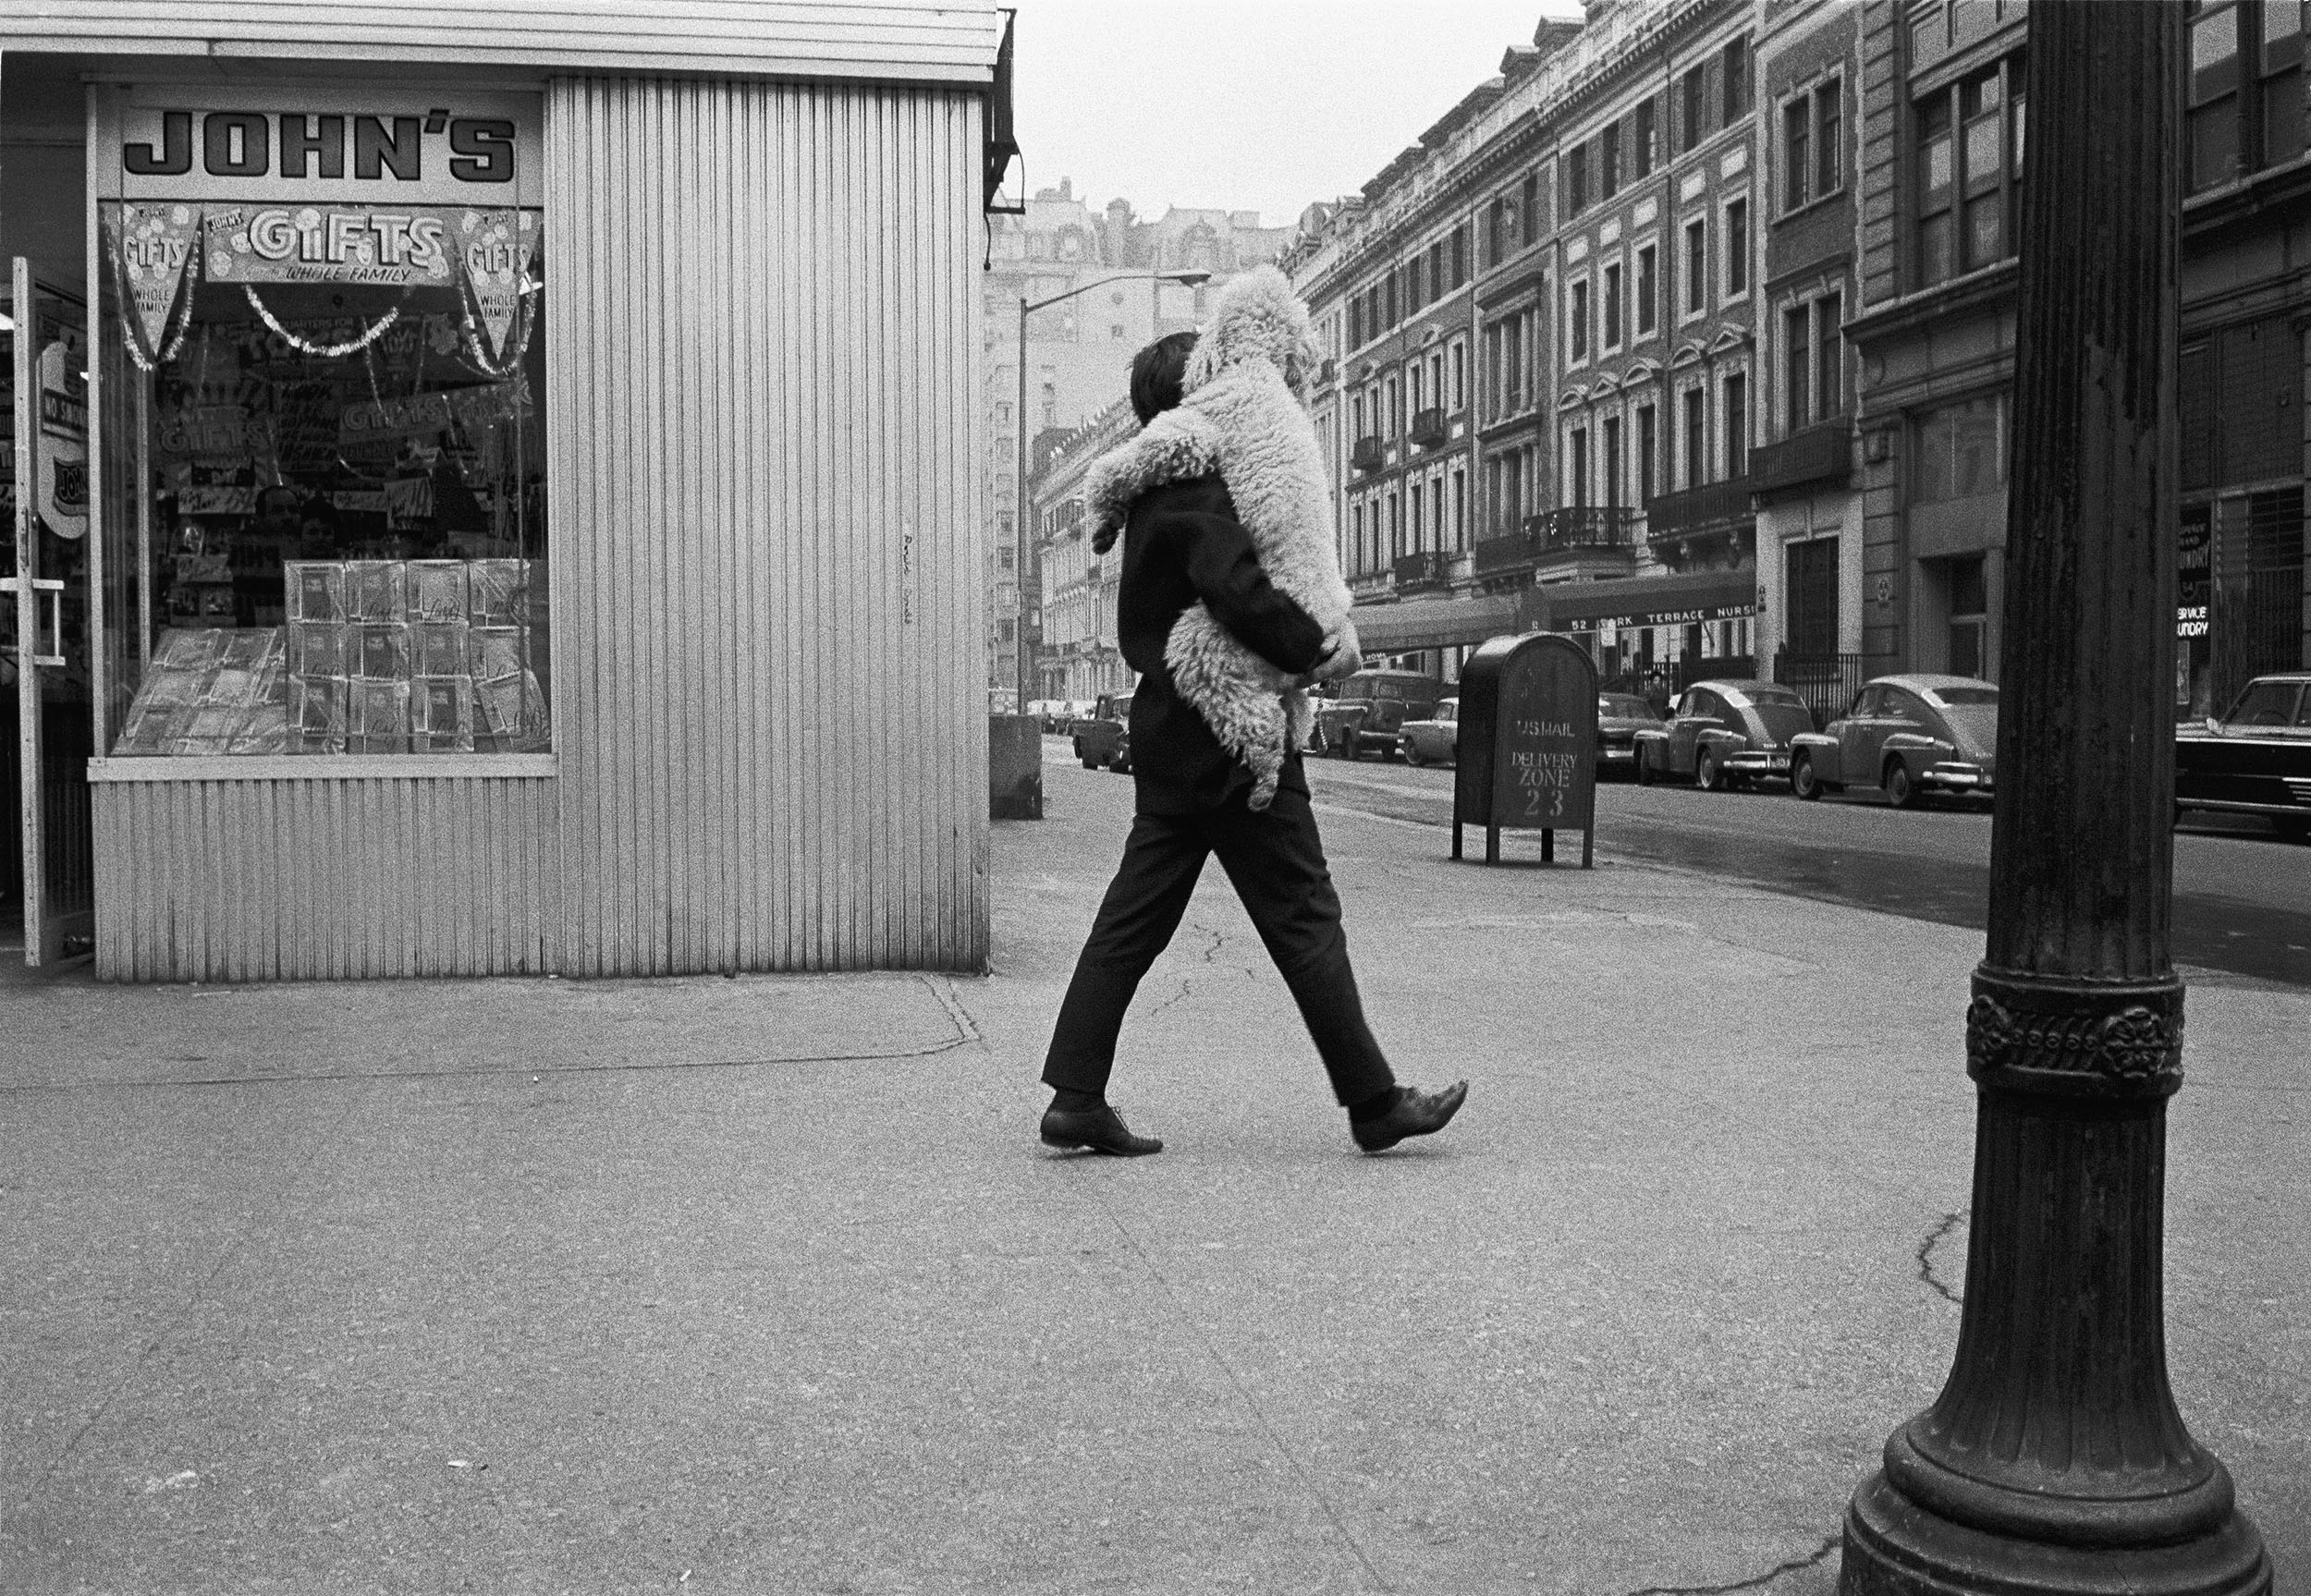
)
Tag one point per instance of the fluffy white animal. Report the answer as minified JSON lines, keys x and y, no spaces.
{"x":1243,"y":413}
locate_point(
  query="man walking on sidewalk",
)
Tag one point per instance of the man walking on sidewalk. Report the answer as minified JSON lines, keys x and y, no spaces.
{"x":1183,"y":542}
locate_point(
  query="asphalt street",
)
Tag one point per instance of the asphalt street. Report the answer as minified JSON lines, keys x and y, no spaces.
{"x":2243,"y":897}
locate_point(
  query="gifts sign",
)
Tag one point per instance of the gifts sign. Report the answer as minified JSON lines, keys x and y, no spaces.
{"x":496,"y":249}
{"x":159,"y":247}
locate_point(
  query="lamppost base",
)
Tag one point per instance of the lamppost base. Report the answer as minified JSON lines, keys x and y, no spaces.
{"x":1895,"y":1547}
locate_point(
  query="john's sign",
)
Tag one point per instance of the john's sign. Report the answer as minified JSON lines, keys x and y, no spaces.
{"x":322,"y":144}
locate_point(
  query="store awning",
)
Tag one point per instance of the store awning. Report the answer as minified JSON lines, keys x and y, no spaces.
{"x":1437,"y":623}
{"x":1680,"y":598}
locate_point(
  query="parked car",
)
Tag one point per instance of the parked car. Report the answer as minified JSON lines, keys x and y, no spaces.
{"x":1369,"y":710}
{"x":1104,"y":738}
{"x":1724,"y":734}
{"x":2257,"y":759}
{"x":1909,"y":735}
{"x":1438,"y":739}
{"x":1620,"y":717}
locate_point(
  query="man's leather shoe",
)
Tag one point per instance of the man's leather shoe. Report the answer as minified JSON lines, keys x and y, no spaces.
{"x":1100,"y":1130}
{"x":1416,"y":1112}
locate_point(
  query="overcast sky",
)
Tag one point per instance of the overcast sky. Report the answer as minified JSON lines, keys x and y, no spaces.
{"x":1245,"y":105}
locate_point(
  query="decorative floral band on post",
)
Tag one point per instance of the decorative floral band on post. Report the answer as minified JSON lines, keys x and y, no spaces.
{"x":2074,"y":1039}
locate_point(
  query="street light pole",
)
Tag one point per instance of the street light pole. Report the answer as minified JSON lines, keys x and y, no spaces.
{"x":1023,"y":503}
{"x":2055,"y":1460}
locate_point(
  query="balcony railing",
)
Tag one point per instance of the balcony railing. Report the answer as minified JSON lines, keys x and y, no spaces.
{"x":1512,"y":551}
{"x":1714,"y":507}
{"x":1586,"y":527}
{"x":1426,"y":570}
{"x":1364,"y":455}
{"x":1822,"y":454}
{"x":1428,"y":428}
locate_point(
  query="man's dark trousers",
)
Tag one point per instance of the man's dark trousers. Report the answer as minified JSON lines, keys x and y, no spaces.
{"x":1276,"y":861}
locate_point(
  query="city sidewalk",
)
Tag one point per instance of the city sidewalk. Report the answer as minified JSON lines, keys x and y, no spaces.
{"x":763,"y":1285}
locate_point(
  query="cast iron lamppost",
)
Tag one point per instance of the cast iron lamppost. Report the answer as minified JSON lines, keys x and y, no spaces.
{"x":2054,"y":1460}
{"x":1021,"y":505}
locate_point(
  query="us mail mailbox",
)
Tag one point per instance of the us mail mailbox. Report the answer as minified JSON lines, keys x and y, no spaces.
{"x":1528,"y":743}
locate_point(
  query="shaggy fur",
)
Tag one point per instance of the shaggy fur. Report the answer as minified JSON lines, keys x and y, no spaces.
{"x":1243,"y":415}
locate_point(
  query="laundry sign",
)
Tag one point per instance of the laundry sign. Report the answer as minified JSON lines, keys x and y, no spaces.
{"x":322,"y":144}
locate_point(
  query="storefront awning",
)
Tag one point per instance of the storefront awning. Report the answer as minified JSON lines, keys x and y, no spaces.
{"x":1437,"y":623}
{"x":1680,"y":598}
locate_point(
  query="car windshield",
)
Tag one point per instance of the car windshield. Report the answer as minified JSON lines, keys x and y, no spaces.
{"x":2266,"y":703}
{"x":1763,"y":695}
{"x":1625,"y":706}
{"x":1448,"y":709}
{"x":1393,"y":691}
{"x":1123,"y":708}
{"x":1952,"y":698}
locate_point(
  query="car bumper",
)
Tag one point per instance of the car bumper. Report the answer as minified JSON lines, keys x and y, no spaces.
{"x":1957,"y":778}
{"x":1759,"y":763}
{"x":1616,"y":754}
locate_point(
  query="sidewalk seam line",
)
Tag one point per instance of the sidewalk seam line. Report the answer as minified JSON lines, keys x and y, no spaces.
{"x":1244,"y":1393}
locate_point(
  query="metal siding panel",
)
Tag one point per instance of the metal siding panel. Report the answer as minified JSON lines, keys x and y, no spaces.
{"x":761,"y":340}
{"x":952,"y":41}
{"x":298,"y":879}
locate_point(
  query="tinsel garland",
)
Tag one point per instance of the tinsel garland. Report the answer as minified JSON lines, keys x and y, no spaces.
{"x":326,"y":351}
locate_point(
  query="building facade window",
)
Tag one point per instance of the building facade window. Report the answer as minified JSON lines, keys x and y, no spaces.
{"x":1830,"y":354}
{"x":1694,"y":91}
{"x":1737,"y":425}
{"x":1696,"y":436}
{"x":1612,"y":464}
{"x":1648,"y":289}
{"x":1696,"y":266}
{"x":2245,"y":88}
{"x":1609,"y":160}
{"x":1460,"y":375}
{"x":1960,"y":450}
{"x":1612,"y":339}
{"x":1737,"y":82}
{"x":1644,"y":152}
{"x":1737,"y":248}
{"x":1969,"y":172}
{"x":1577,"y":314}
{"x":1830,"y":137}
{"x":1577,"y":180}
{"x":1529,"y":210}
{"x":1797,"y":159}
{"x":1648,"y":449}
{"x":1797,"y":367}
{"x":1460,"y":509}
{"x":1577,"y":468}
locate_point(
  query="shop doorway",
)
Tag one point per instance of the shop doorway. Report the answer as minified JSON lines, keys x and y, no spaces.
{"x":47,"y":897}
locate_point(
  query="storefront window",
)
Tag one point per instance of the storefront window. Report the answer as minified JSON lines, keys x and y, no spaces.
{"x":337,"y":486}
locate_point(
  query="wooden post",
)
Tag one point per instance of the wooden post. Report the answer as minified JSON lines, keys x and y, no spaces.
{"x":2055,"y":1460}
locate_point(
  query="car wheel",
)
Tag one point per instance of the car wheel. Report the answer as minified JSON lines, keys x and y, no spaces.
{"x":1708,"y":775}
{"x":1089,"y":763}
{"x":1900,"y":790}
{"x":1802,"y":781}
{"x":1412,"y":755}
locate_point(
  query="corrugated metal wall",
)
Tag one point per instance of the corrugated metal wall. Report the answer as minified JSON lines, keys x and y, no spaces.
{"x":763,"y":318}
{"x":906,"y":41}
{"x":304,"y":880}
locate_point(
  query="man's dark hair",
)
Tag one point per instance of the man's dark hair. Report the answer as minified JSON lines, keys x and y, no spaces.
{"x":1157,"y":374}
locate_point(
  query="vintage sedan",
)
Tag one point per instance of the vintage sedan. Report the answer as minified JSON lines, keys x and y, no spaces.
{"x":2257,"y":759}
{"x":1418,"y":742}
{"x":1724,"y":734}
{"x":1367,"y":710}
{"x":1620,"y":717}
{"x":1908,"y":735}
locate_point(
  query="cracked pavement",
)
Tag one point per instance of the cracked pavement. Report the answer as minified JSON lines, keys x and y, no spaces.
{"x":765,"y":1285}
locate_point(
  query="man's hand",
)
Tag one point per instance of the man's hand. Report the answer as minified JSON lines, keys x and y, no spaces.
{"x":1342,"y":655}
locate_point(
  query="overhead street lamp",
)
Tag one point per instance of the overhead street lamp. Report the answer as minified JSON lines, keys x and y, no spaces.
{"x":1020,"y":504}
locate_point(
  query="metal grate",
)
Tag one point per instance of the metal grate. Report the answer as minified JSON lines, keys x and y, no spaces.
{"x":2257,"y":612}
